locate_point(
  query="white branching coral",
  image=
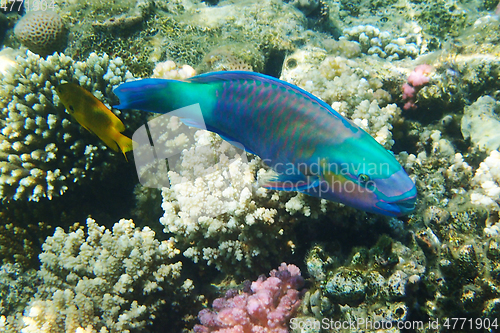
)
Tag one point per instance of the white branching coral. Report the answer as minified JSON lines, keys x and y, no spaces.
{"x":382,"y":44}
{"x":376,"y":120}
{"x":493,"y":230}
{"x":219,"y":213}
{"x":102,"y":280}
{"x":170,"y":70}
{"x":487,"y":180}
{"x":487,"y":190}
{"x":42,"y":149}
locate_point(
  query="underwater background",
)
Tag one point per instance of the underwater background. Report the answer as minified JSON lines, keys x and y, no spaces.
{"x":85,"y":247}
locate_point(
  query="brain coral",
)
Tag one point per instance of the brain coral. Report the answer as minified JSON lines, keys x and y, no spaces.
{"x":42,"y":149}
{"x":43,"y":32}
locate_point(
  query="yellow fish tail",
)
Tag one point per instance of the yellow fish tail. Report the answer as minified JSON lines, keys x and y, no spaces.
{"x":124,"y":143}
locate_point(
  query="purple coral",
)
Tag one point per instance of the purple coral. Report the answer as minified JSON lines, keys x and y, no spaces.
{"x":267,"y":307}
{"x":417,"y":79}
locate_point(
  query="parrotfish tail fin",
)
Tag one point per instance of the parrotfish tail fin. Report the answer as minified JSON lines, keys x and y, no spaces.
{"x":136,"y":94}
{"x":160,"y":95}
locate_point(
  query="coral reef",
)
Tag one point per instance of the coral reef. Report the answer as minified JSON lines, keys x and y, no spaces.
{"x":220,"y":214}
{"x":183,"y":31}
{"x":102,"y":280}
{"x":42,"y":32}
{"x":369,"y":287}
{"x":169,"y":70}
{"x":42,"y":149}
{"x":442,"y":261}
{"x":481,"y":124}
{"x":486,"y":182}
{"x":267,"y":306}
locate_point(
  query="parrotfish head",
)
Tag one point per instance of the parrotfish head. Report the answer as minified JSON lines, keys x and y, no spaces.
{"x":364,"y":175}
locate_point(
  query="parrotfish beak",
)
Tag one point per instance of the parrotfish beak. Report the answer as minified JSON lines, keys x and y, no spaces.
{"x":397,"y":195}
{"x":407,"y":206}
{"x":397,"y":208}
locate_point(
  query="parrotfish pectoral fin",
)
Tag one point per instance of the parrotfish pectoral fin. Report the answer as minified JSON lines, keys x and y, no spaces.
{"x":193,"y":123}
{"x":234,"y":143}
{"x":292,"y":183}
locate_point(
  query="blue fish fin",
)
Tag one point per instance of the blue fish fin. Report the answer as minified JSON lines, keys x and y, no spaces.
{"x":291,"y":183}
{"x":249,"y":151}
{"x":193,"y":123}
{"x":235,"y":143}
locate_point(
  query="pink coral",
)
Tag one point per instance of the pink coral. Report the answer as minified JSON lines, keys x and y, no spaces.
{"x":267,"y":307}
{"x":417,"y":79}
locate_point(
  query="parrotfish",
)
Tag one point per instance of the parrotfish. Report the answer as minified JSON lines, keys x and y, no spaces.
{"x":94,"y":116}
{"x":312,"y":148}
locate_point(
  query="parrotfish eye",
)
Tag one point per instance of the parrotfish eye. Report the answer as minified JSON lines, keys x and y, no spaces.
{"x":363,"y":178}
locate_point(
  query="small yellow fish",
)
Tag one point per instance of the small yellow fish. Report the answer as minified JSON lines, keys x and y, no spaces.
{"x":94,"y":116}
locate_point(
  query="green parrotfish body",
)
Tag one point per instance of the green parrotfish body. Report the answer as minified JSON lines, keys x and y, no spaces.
{"x":313,"y":148}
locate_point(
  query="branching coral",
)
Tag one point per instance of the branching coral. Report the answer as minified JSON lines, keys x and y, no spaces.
{"x":102,"y":280}
{"x":383,"y":43}
{"x":267,"y":307}
{"x":487,"y":180}
{"x":220,"y":213}
{"x":42,"y":149}
{"x":169,"y":70}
